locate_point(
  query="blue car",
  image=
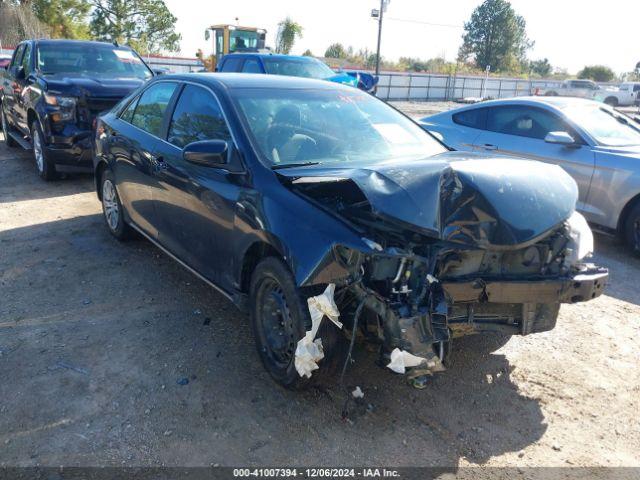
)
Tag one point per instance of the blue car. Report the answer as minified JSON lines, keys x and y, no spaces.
{"x":293,"y":66}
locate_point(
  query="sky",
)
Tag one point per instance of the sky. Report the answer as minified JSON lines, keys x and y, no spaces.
{"x":570,"y":33}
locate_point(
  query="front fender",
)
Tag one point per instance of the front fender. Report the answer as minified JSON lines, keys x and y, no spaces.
{"x":303,"y":234}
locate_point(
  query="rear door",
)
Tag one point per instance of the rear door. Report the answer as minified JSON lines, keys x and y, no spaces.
{"x":11,"y":88}
{"x":520,"y":130}
{"x":133,"y":142}
{"x":196,"y":204}
{"x":22,"y":99}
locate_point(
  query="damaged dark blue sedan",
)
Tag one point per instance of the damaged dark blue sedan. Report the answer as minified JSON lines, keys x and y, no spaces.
{"x":328,"y":215}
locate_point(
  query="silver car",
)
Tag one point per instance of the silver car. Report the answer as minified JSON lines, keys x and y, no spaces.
{"x":597,"y":146}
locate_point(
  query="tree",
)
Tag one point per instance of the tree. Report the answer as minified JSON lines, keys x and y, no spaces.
{"x":65,"y":18}
{"x":18,"y":23}
{"x":541,"y":67}
{"x":597,"y":73}
{"x":336,"y":50}
{"x":146,"y":25}
{"x":307,"y":53}
{"x":288,"y":31}
{"x":495,"y":36}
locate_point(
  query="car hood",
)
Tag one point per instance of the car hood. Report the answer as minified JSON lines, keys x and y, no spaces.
{"x":488,"y":202}
{"x":630,"y":151}
{"x":81,"y":85}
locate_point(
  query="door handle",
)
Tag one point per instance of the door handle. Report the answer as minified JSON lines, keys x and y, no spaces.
{"x":489,"y":147}
{"x":158,"y":163}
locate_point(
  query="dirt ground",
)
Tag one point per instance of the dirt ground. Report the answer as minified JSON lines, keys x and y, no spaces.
{"x":96,"y":337}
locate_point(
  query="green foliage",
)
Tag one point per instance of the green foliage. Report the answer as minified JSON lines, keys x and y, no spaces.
{"x":541,"y":68}
{"x":146,"y":25}
{"x":336,"y":50}
{"x":65,"y":18}
{"x":597,"y":73}
{"x":307,"y":53}
{"x":496,"y":36}
{"x":288,"y":31}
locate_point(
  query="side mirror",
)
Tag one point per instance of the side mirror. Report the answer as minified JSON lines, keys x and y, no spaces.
{"x":560,"y":138}
{"x":208,"y":153}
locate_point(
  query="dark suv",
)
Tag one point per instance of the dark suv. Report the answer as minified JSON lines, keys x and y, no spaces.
{"x":52,"y":91}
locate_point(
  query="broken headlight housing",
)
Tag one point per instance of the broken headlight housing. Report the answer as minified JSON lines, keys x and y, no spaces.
{"x":66,"y":106}
{"x":581,"y":238}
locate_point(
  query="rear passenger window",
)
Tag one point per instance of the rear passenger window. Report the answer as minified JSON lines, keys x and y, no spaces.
{"x":197,"y":117}
{"x":474,"y":118}
{"x":231,"y":64}
{"x":149,"y":113}
{"x":251,"y":66}
{"x":17,"y":56}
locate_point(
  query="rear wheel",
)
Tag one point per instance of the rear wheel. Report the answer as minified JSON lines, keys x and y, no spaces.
{"x":10,"y":142}
{"x":46,"y":168}
{"x":112,"y":208}
{"x":632,"y":229}
{"x":280,"y":318}
{"x":611,"y":101}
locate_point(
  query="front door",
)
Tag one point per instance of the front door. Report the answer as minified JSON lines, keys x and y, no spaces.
{"x":196,"y":204}
{"x":520,"y":130}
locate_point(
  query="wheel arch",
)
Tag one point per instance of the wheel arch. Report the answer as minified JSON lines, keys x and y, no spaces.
{"x":257,"y":251}
{"x":99,"y":170}
{"x":625,"y":212}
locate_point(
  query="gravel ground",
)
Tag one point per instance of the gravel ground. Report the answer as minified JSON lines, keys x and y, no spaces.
{"x":96,"y":337}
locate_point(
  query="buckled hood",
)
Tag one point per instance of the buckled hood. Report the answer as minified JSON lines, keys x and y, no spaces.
{"x":459,"y":197}
{"x":81,"y":85}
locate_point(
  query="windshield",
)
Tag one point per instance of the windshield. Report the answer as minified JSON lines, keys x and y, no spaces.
{"x":307,"y":67}
{"x":243,"y":40}
{"x":606,"y":127}
{"x":329,"y":126}
{"x":91,"y":59}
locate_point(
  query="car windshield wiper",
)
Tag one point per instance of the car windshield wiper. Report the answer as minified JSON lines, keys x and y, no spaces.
{"x":293,"y":165}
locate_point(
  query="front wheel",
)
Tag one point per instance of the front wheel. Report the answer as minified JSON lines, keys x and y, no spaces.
{"x":112,"y":208}
{"x":280,"y":318}
{"x":611,"y":101}
{"x":632,"y":229}
{"x":46,"y":168}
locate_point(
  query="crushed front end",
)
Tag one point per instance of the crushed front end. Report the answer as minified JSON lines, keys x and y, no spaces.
{"x":463,"y":264}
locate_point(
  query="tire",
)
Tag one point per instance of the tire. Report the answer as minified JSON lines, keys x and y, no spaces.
{"x":10,"y":142}
{"x":611,"y":101}
{"x":112,"y":209}
{"x":46,"y":168}
{"x":631,"y":231}
{"x":277,"y":305}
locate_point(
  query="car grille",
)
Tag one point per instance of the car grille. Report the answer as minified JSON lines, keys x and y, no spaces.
{"x":93,"y":107}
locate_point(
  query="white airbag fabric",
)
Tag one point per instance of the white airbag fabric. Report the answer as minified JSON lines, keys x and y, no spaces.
{"x":309,"y":349}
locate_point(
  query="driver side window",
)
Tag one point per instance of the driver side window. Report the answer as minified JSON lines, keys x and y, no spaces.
{"x":524,"y":122}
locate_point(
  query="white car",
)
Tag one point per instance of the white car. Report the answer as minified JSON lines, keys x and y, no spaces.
{"x":571,"y":88}
{"x":627,"y":94}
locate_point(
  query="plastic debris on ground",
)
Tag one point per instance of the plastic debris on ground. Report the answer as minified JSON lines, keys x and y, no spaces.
{"x":309,"y":349}
{"x":401,"y":360}
{"x":358,"y":393}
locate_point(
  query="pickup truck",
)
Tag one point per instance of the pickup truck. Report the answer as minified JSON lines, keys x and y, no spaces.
{"x":572,"y":88}
{"x":52,"y":91}
{"x":628,"y":94}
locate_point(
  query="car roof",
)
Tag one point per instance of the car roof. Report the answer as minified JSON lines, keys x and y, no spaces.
{"x":248,"y":80}
{"x":559,"y":103}
{"x":58,"y":41}
{"x":277,"y":56}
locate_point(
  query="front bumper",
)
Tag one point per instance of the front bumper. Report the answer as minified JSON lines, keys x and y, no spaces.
{"x":72,"y":151}
{"x":581,"y":287}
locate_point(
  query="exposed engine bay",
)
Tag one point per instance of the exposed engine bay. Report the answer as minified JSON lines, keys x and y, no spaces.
{"x":458,"y":251}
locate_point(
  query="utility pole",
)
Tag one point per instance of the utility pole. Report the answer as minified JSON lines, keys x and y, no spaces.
{"x":380,"y":15}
